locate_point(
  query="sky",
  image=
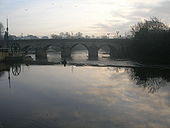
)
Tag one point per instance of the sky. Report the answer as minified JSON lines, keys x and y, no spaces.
{"x":91,"y":17}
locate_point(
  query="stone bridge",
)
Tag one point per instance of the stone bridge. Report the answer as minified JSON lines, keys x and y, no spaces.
{"x":118,"y":47}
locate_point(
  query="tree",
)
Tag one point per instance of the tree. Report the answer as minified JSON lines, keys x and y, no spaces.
{"x":87,"y":37}
{"x":78,"y":35}
{"x":151,"y":42}
{"x":104,"y":37}
{"x":29,"y":37}
{"x":1,"y":31}
{"x":154,"y":25}
{"x":67,"y":35}
{"x":54,"y":36}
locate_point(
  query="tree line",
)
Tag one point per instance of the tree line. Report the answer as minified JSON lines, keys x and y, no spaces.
{"x":61,"y":35}
{"x":151,"y":42}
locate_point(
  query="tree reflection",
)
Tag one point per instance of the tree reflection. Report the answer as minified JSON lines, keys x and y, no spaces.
{"x":151,"y":79}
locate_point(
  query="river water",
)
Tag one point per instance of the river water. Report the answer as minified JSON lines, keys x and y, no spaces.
{"x":54,"y":96}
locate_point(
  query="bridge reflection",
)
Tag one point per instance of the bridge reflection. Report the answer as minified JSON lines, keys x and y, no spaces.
{"x":15,"y":69}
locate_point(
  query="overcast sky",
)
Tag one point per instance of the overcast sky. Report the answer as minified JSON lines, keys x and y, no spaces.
{"x":98,"y":17}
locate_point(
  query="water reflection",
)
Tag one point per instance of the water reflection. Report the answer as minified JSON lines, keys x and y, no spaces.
{"x":15,"y":69}
{"x":85,"y":96}
{"x":151,"y":79}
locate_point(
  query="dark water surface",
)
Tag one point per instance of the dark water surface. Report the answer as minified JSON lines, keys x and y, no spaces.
{"x":54,"y":96}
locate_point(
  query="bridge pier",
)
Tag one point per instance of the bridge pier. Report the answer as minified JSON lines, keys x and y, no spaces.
{"x":113,"y":53}
{"x":66,"y":53}
{"x":93,"y":53}
{"x":41,"y":55}
{"x":116,"y":54}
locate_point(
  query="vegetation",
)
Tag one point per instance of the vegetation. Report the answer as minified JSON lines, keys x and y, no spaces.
{"x":77,"y":35}
{"x":67,"y":35}
{"x":151,"y":42}
{"x":61,"y":35}
{"x":149,"y":27}
{"x":151,"y":79}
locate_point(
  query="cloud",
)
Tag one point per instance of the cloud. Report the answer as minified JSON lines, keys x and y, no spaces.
{"x":162,"y":11}
{"x":127,"y":16}
{"x":88,"y":16}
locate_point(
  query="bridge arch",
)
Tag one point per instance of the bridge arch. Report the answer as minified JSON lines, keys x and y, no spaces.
{"x":79,"y":51}
{"x":51,"y":46}
{"x":53,"y":53}
{"x":26,"y":48}
{"x":104,"y":51}
{"x":108,"y":51}
{"x":79,"y":44}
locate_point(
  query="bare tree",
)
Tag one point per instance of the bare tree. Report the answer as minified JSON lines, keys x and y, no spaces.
{"x":78,"y":35}
{"x":67,"y":35}
{"x":152,"y":25}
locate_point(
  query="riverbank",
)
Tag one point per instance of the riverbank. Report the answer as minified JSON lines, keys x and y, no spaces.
{"x":119,"y":64}
{"x":53,"y":95}
{"x":3,"y":54}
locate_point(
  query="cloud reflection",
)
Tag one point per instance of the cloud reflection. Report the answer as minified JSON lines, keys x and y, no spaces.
{"x":91,"y":96}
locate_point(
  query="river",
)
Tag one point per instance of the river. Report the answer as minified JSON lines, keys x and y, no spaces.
{"x":54,"y":96}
